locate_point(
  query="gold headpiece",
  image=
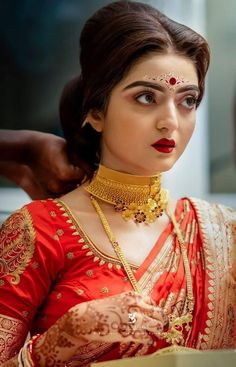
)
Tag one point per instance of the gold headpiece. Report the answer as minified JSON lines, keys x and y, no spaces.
{"x":139,"y":198}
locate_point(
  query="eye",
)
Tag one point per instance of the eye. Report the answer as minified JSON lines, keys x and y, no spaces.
{"x":189,"y":102}
{"x":145,"y":98}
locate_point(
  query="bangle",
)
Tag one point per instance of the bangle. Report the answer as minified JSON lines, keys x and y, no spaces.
{"x":19,"y":359}
{"x":25,"y":356}
{"x":29,"y":349}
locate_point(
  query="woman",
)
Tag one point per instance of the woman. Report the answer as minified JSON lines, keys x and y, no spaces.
{"x":117,"y":268}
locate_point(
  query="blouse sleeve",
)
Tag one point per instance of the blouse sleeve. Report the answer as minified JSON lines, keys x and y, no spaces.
{"x":27,"y":272}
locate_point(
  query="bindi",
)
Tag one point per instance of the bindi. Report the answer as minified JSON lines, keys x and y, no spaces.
{"x":170,"y":80}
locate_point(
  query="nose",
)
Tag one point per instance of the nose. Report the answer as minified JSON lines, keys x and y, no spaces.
{"x":168,"y":117}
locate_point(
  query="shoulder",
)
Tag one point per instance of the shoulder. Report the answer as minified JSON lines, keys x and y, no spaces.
{"x":219,"y":211}
{"x":217,"y":222}
{"x":31,"y":233}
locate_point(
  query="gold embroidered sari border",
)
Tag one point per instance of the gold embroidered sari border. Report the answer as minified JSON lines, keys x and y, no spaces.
{"x":216,"y":247}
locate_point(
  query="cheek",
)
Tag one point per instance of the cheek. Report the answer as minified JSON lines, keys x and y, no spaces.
{"x":188,"y":130}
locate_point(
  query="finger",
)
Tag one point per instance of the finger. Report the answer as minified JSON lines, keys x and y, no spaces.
{"x":70,"y":173}
{"x":58,"y":187}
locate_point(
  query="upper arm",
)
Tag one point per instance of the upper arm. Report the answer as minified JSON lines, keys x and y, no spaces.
{"x":25,"y":276}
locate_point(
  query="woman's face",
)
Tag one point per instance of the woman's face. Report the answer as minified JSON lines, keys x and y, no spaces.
{"x":150,"y":116}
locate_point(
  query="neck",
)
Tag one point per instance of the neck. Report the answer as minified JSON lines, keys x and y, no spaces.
{"x":126,"y":178}
{"x":136,"y":197}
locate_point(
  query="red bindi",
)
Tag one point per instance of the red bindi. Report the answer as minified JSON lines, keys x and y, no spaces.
{"x":172,"y":81}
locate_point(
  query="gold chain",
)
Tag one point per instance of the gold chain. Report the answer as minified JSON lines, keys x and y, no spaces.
{"x":174,"y":335}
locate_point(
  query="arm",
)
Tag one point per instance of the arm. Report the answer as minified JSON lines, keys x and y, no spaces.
{"x":104,"y":320}
{"x":38,"y":163}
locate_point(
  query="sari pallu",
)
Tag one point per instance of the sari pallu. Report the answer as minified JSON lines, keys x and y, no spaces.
{"x":50,"y":264}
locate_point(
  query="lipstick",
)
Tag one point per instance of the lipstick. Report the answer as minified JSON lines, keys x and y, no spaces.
{"x":164,"y":145}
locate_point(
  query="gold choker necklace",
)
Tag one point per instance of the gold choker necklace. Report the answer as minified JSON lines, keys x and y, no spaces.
{"x":139,"y":198}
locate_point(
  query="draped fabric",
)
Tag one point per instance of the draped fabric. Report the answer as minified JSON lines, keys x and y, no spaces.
{"x":48,"y":264}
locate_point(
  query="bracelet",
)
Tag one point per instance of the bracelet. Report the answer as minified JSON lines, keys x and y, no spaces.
{"x":19,"y":359}
{"x":25,"y":356}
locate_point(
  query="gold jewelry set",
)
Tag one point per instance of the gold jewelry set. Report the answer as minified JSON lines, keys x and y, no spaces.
{"x":141,"y":199}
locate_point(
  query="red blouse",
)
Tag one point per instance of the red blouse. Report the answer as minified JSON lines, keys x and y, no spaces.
{"x":48,"y":264}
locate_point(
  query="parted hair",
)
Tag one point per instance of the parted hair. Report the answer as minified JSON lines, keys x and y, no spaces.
{"x":112,"y":40}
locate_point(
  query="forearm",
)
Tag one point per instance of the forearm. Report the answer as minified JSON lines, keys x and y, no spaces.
{"x":13,"y":362}
{"x":15,"y":145}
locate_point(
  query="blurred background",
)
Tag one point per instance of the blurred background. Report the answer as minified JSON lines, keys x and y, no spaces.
{"x":39,"y":43}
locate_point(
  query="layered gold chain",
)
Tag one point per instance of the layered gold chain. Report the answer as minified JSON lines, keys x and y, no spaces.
{"x":174,"y":334}
{"x":139,"y":198}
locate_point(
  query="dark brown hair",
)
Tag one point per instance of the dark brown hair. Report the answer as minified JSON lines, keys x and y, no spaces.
{"x":111,"y":42}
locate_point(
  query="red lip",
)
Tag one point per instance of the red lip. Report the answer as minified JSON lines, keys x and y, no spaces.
{"x":164,"y":145}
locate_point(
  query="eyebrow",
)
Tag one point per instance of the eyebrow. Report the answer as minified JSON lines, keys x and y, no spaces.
{"x":160,"y":87}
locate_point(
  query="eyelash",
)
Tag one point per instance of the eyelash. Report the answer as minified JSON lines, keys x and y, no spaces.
{"x":143,"y":93}
{"x":151,"y":94}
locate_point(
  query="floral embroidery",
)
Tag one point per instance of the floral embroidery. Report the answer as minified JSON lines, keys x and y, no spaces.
{"x":105,"y":290}
{"x":17,"y":245}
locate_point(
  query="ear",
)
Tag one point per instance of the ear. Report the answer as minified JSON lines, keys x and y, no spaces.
{"x":96,"y":119}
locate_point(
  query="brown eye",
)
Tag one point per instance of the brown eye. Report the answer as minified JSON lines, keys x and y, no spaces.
{"x":145,"y":98}
{"x":189,"y":102}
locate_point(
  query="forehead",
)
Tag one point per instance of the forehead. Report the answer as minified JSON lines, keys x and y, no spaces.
{"x":156,"y":65}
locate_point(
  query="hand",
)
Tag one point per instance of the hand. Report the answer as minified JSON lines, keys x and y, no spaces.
{"x":50,"y":168}
{"x":38,"y":162}
{"x":108,"y":319}
{"x":104,"y":320}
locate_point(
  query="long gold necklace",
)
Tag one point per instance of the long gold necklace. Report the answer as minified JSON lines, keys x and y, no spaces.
{"x":174,"y":334}
{"x":139,"y":198}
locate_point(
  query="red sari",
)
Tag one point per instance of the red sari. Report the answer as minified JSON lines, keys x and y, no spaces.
{"x":48,"y":264}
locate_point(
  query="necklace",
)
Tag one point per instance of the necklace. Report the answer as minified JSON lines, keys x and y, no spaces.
{"x":139,"y":198}
{"x":177,"y":324}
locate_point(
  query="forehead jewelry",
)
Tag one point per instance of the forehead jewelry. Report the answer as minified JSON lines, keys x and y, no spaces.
{"x":170,"y":80}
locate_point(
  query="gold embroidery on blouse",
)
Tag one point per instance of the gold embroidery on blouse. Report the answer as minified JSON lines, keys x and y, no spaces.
{"x":12,"y":336}
{"x":89,"y":273}
{"x":60,"y":232}
{"x":104,"y":290}
{"x":79,"y":291}
{"x":87,"y":244}
{"x":215,"y":223}
{"x":70,"y":255}
{"x":17,"y":245}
